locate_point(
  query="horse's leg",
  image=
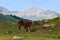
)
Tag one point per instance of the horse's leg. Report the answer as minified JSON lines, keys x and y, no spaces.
{"x":26,"y":28}
{"x":19,"y":28}
{"x":29,"y":28}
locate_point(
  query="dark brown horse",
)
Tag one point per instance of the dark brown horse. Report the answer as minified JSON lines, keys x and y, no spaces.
{"x":26,"y":25}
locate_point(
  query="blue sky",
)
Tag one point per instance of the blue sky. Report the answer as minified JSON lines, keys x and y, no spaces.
{"x":17,"y":5}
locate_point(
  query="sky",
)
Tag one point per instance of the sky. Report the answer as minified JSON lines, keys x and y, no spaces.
{"x":17,"y":5}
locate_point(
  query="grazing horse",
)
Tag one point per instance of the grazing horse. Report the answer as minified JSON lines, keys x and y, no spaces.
{"x":26,"y":25}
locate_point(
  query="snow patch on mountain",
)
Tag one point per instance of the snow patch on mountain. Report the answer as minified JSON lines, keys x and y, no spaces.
{"x":36,"y":14}
{"x":33,"y":13}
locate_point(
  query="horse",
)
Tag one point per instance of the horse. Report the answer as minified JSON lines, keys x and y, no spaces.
{"x":26,"y":25}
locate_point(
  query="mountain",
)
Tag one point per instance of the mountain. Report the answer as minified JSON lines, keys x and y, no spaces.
{"x":33,"y":13}
{"x":5,"y":11}
{"x":37,"y":14}
{"x":8,"y":16}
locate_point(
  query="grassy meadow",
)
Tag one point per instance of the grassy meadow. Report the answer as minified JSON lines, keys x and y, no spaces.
{"x":8,"y":30}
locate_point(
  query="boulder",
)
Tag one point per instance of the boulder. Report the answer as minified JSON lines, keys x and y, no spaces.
{"x":17,"y":38}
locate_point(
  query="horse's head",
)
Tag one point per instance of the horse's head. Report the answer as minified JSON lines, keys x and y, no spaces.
{"x":19,"y":22}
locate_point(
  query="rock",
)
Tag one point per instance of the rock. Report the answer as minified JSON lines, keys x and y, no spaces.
{"x":50,"y":30}
{"x":17,"y":38}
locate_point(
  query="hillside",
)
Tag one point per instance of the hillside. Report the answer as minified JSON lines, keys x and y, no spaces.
{"x":55,"y":29}
{"x":8,"y":30}
{"x":10,"y":18}
{"x":3,"y":18}
{"x":7,"y":18}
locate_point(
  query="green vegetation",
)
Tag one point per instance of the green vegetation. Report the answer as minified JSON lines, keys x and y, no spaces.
{"x":10,"y":18}
{"x":8,"y":30}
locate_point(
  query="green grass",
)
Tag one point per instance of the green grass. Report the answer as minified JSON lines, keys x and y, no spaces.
{"x":9,"y":37}
{"x":8,"y":30}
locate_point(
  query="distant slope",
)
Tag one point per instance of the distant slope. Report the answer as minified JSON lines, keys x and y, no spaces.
{"x":7,"y":18}
{"x":37,"y":14}
{"x":3,"y":18}
{"x":10,"y":18}
{"x":6,"y":11}
{"x":18,"y":18}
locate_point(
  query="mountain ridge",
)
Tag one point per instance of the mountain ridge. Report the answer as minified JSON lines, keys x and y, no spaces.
{"x":37,"y":14}
{"x":33,"y":13}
